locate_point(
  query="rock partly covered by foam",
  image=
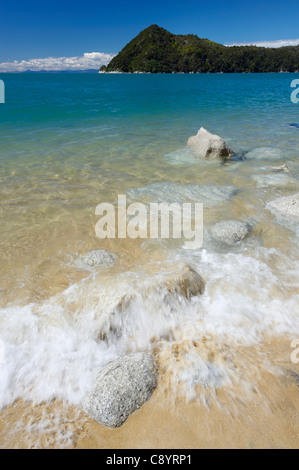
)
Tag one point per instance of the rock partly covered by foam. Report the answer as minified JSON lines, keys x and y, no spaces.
{"x":230,"y":232}
{"x":287,"y":206}
{"x":136,"y":305}
{"x":185,"y":282}
{"x":121,"y":388}
{"x":207,"y":145}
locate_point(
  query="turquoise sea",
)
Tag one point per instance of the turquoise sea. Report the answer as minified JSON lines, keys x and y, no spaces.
{"x":71,"y":141}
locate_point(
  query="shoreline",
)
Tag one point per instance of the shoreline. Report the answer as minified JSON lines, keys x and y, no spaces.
{"x":87,"y":72}
{"x":269,"y":419}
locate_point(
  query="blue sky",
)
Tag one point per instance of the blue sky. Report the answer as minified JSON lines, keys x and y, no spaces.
{"x":69,"y":28}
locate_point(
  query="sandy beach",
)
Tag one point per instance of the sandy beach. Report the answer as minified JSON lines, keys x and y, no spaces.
{"x":268,"y":419}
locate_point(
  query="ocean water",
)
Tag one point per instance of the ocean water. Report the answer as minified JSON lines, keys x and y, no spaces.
{"x":69,"y":142}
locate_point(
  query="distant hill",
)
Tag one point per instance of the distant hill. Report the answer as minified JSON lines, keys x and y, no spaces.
{"x":156,"y":50}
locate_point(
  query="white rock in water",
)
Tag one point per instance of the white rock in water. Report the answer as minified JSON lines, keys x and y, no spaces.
{"x":121,"y":388}
{"x":287,"y":206}
{"x":230,"y":232}
{"x":96,"y":258}
{"x":207,"y":145}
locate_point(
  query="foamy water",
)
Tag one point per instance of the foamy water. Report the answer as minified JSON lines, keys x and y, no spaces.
{"x":55,"y":348}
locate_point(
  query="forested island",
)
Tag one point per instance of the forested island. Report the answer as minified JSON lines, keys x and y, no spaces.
{"x":156,"y":50}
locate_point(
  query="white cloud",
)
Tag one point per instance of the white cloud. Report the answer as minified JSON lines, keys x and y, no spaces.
{"x":276,"y":43}
{"x":89,"y":60}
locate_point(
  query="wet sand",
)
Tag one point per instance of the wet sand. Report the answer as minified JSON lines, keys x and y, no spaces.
{"x":268,"y":418}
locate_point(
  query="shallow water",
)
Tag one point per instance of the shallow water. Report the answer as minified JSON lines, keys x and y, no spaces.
{"x":69,"y":142}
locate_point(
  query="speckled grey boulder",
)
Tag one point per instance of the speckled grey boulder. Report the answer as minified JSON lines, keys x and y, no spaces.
{"x":230,"y":232}
{"x":122,"y":387}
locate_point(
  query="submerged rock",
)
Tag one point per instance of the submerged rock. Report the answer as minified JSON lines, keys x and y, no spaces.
{"x":276,"y":179}
{"x":207,"y":145}
{"x":96,"y":258}
{"x":265,"y":153}
{"x":169,"y":192}
{"x":230,"y":232}
{"x":287,"y":206}
{"x":121,"y":388}
{"x":183,"y":156}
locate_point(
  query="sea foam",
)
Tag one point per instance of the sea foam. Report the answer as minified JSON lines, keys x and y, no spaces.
{"x":55,"y":349}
